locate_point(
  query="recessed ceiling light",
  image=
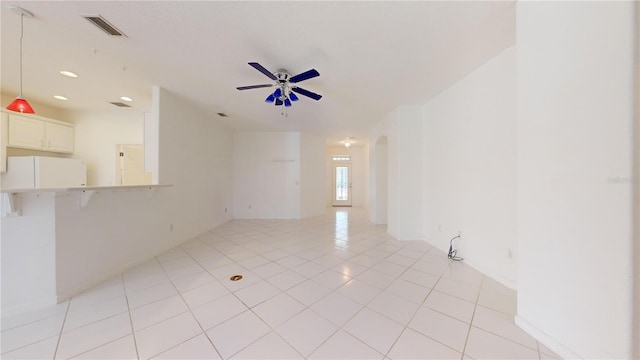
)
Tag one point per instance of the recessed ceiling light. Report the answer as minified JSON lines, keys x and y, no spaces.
{"x":125,"y":98}
{"x":68,"y":73}
{"x":60,"y":97}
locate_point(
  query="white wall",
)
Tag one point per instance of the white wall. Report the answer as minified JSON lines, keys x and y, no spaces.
{"x":358,"y":175}
{"x":28,"y":269}
{"x":195,"y":156}
{"x":266,"y":173}
{"x":409,"y":182}
{"x":402,"y":127}
{"x":575,"y":120}
{"x":97,"y":133}
{"x":366,"y":171}
{"x":469,"y":163}
{"x":383,"y":161}
{"x":312,"y":175}
{"x":116,"y":230}
{"x":636,"y":212}
{"x":379,"y":183}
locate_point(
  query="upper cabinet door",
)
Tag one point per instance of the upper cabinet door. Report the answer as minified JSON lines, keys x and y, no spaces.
{"x":59,"y":138}
{"x":26,"y":133}
{"x":40,"y":134}
{"x":4,"y":139}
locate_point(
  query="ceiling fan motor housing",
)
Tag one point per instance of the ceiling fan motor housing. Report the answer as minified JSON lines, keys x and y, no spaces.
{"x":283,"y":81}
{"x":282,"y":76}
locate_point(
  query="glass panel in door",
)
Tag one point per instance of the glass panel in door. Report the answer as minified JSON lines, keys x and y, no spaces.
{"x":342,"y":185}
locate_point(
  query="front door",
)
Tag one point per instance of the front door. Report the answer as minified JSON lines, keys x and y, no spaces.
{"x":342,"y":185}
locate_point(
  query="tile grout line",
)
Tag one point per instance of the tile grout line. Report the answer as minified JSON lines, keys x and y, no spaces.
{"x":66,"y":313}
{"x":464,"y":349}
{"x":273,"y":330}
{"x":416,"y":312}
{"x":189,"y":310}
{"x":538,"y":346}
{"x":133,"y":333}
{"x":94,"y":322}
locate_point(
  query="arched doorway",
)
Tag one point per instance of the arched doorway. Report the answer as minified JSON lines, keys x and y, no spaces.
{"x":381,"y":176}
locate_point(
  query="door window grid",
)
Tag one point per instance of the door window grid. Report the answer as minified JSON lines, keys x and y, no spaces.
{"x":341,"y":157}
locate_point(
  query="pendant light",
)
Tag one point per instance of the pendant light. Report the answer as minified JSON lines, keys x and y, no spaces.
{"x":20,"y":104}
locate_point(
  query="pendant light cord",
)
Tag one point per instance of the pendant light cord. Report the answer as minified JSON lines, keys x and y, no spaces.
{"x":21,"y":36}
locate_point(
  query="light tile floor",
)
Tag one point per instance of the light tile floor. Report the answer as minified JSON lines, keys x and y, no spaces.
{"x":328,"y":287}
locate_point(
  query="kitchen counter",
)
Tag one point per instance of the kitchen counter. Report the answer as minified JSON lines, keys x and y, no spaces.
{"x":83,"y":188}
{"x":58,"y":242}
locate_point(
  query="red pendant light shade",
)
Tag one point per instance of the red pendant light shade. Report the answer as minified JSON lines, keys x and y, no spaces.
{"x":20,"y":104}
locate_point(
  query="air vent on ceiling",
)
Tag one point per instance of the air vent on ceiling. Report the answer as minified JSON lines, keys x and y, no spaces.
{"x":104,"y":25}
{"x":119,"y":104}
{"x":222,"y":115}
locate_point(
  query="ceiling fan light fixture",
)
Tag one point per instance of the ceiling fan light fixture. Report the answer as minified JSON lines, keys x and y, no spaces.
{"x":283,"y":94}
{"x":20,"y":104}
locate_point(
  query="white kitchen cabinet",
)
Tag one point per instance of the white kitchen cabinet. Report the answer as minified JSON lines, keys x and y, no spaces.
{"x":40,"y":134}
{"x":26,"y":132}
{"x":59,"y":137}
{"x":4,"y":139}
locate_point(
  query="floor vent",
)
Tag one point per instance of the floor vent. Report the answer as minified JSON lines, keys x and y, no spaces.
{"x":104,"y":25}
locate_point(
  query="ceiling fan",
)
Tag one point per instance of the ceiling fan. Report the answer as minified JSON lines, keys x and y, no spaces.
{"x":285,"y":85}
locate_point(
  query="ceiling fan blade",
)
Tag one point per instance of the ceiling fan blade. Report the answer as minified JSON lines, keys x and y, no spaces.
{"x":254,"y":86}
{"x":304,"y":76}
{"x":278,"y":102}
{"x":263,"y":70}
{"x":307,"y":93}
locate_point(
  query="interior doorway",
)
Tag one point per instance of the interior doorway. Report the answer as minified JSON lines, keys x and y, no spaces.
{"x":130,"y":165}
{"x":342,"y":185}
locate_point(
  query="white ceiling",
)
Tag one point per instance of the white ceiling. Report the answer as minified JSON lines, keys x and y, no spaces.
{"x":372,"y":56}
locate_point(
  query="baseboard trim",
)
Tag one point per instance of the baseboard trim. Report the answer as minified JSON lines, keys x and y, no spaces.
{"x":545,"y":339}
{"x":28,"y":307}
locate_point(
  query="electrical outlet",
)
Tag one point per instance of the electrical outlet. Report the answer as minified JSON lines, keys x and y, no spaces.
{"x":171,"y":227}
{"x":225,"y":210}
{"x":440,"y":227}
{"x":509,"y":254}
{"x":249,"y":207}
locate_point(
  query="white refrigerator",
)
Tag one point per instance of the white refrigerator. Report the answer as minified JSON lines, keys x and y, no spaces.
{"x":36,"y":172}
